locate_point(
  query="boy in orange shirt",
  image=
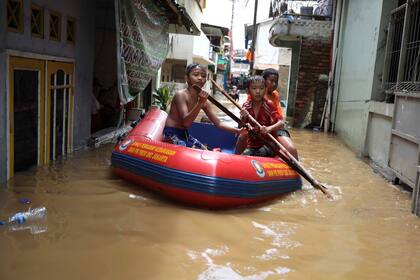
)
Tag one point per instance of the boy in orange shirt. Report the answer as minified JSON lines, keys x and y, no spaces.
{"x":271,"y":77}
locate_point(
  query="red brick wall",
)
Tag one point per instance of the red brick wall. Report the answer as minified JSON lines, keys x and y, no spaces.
{"x":314,"y":60}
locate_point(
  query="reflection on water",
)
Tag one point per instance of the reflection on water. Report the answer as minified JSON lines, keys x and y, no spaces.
{"x":102,"y":227}
{"x":33,"y":228}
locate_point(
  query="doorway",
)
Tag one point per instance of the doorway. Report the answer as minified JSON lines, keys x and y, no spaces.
{"x":40,"y":112}
{"x":26,"y":106}
{"x":59,"y":104}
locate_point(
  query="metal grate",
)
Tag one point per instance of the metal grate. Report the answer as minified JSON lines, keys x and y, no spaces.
{"x":412,"y":64}
{"x":405,"y":86}
{"x":396,"y":34}
{"x":402,"y":60}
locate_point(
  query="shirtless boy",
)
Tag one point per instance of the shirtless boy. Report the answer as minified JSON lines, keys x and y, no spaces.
{"x":185,"y":107}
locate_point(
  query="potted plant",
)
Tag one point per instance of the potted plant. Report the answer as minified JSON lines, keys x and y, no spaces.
{"x":162,"y":97}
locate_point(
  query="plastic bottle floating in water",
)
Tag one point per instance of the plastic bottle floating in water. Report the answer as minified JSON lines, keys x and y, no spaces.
{"x":30,"y":215}
{"x":33,"y":220}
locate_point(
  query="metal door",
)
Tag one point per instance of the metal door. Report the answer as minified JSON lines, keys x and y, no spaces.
{"x":26,"y":109}
{"x":59,"y":104}
{"x":404,"y":155}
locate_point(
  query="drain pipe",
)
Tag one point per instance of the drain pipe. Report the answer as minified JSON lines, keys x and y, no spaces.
{"x":338,"y":23}
{"x":254,"y":37}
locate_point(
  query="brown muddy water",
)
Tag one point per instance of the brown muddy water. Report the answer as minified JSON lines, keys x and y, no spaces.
{"x":99,"y":226}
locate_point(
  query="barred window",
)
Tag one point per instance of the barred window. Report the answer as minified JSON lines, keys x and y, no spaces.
{"x":15,"y":15}
{"x":37,"y":21}
{"x":71,"y":30}
{"x":55,"y":26}
{"x":402,"y":59}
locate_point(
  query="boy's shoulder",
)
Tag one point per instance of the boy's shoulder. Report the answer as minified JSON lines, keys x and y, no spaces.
{"x":182,"y":93}
{"x":268,"y":102}
{"x":247,"y":104}
{"x":276,"y":92}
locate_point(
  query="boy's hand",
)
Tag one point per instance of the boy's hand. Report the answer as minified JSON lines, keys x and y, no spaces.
{"x":264,"y":130}
{"x":202,"y":97}
{"x":283,"y":125}
{"x":202,"y":94}
{"x":243,"y":130}
{"x":244,"y":114}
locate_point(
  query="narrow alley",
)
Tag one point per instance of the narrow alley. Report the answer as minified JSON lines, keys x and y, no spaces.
{"x":99,"y":226}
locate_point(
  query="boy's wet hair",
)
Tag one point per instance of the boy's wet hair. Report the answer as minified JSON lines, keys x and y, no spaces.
{"x":254,"y":79}
{"x":270,"y":71}
{"x":192,"y":66}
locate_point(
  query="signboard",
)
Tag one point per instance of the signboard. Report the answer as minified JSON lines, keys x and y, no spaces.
{"x":142,"y":44}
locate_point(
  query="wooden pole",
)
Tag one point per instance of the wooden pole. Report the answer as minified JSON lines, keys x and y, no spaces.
{"x":289,"y":158}
{"x":254,"y":37}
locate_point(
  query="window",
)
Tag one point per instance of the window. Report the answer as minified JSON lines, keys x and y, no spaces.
{"x":55,"y":26}
{"x":402,"y":59}
{"x":70,"y":30}
{"x":15,"y":15}
{"x":37,"y":21}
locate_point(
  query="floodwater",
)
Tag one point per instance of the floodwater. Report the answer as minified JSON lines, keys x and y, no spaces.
{"x":99,"y":226}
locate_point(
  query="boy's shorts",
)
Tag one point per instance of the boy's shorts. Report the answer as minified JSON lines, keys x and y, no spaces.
{"x":283,"y":132}
{"x":262,"y":151}
{"x":181,"y":137}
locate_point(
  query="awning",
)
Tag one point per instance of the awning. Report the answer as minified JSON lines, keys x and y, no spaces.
{"x":202,"y":60}
{"x":178,"y":15}
{"x":213,"y":30}
{"x":263,"y":66}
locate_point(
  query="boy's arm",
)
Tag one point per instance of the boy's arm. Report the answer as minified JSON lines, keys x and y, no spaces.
{"x":276,"y":126}
{"x":212,"y":116}
{"x":186,"y":117}
{"x":278,"y":122}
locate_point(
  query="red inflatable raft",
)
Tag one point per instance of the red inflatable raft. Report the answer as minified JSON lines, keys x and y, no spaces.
{"x":206,"y":178}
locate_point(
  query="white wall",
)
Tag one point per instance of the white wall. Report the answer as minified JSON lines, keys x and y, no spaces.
{"x":266,"y":53}
{"x":181,"y":47}
{"x":379,"y":132}
{"x":201,"y":46}
{"x":184,"y":47}
{"x":218,"y":13}
{"x":354,"y":74}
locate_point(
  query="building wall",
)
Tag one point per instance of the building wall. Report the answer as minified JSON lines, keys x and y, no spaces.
{"x":355,"y":69}
{"x":218,"y":13}
{"x":3,"y":117}
{"x":181,"y":47}
{"x":81,"y":53}
{"x":194,"y":10}
{"x":265,"y":52}
{"x":3,"y":99}
{"x":294,"y":69}
{"x":201,"y":46}
{"x":105,"y":67}
{"x":378,"y":136}
{"x":314,"y":61}
{"x":387,"y":7}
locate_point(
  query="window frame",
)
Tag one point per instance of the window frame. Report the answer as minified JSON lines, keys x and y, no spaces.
{"x":58,"y":15}
{"x":399,"y":43}
{"x":41,"y":11}
{"x":20,"y":27}
{"x":73,"y":20}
